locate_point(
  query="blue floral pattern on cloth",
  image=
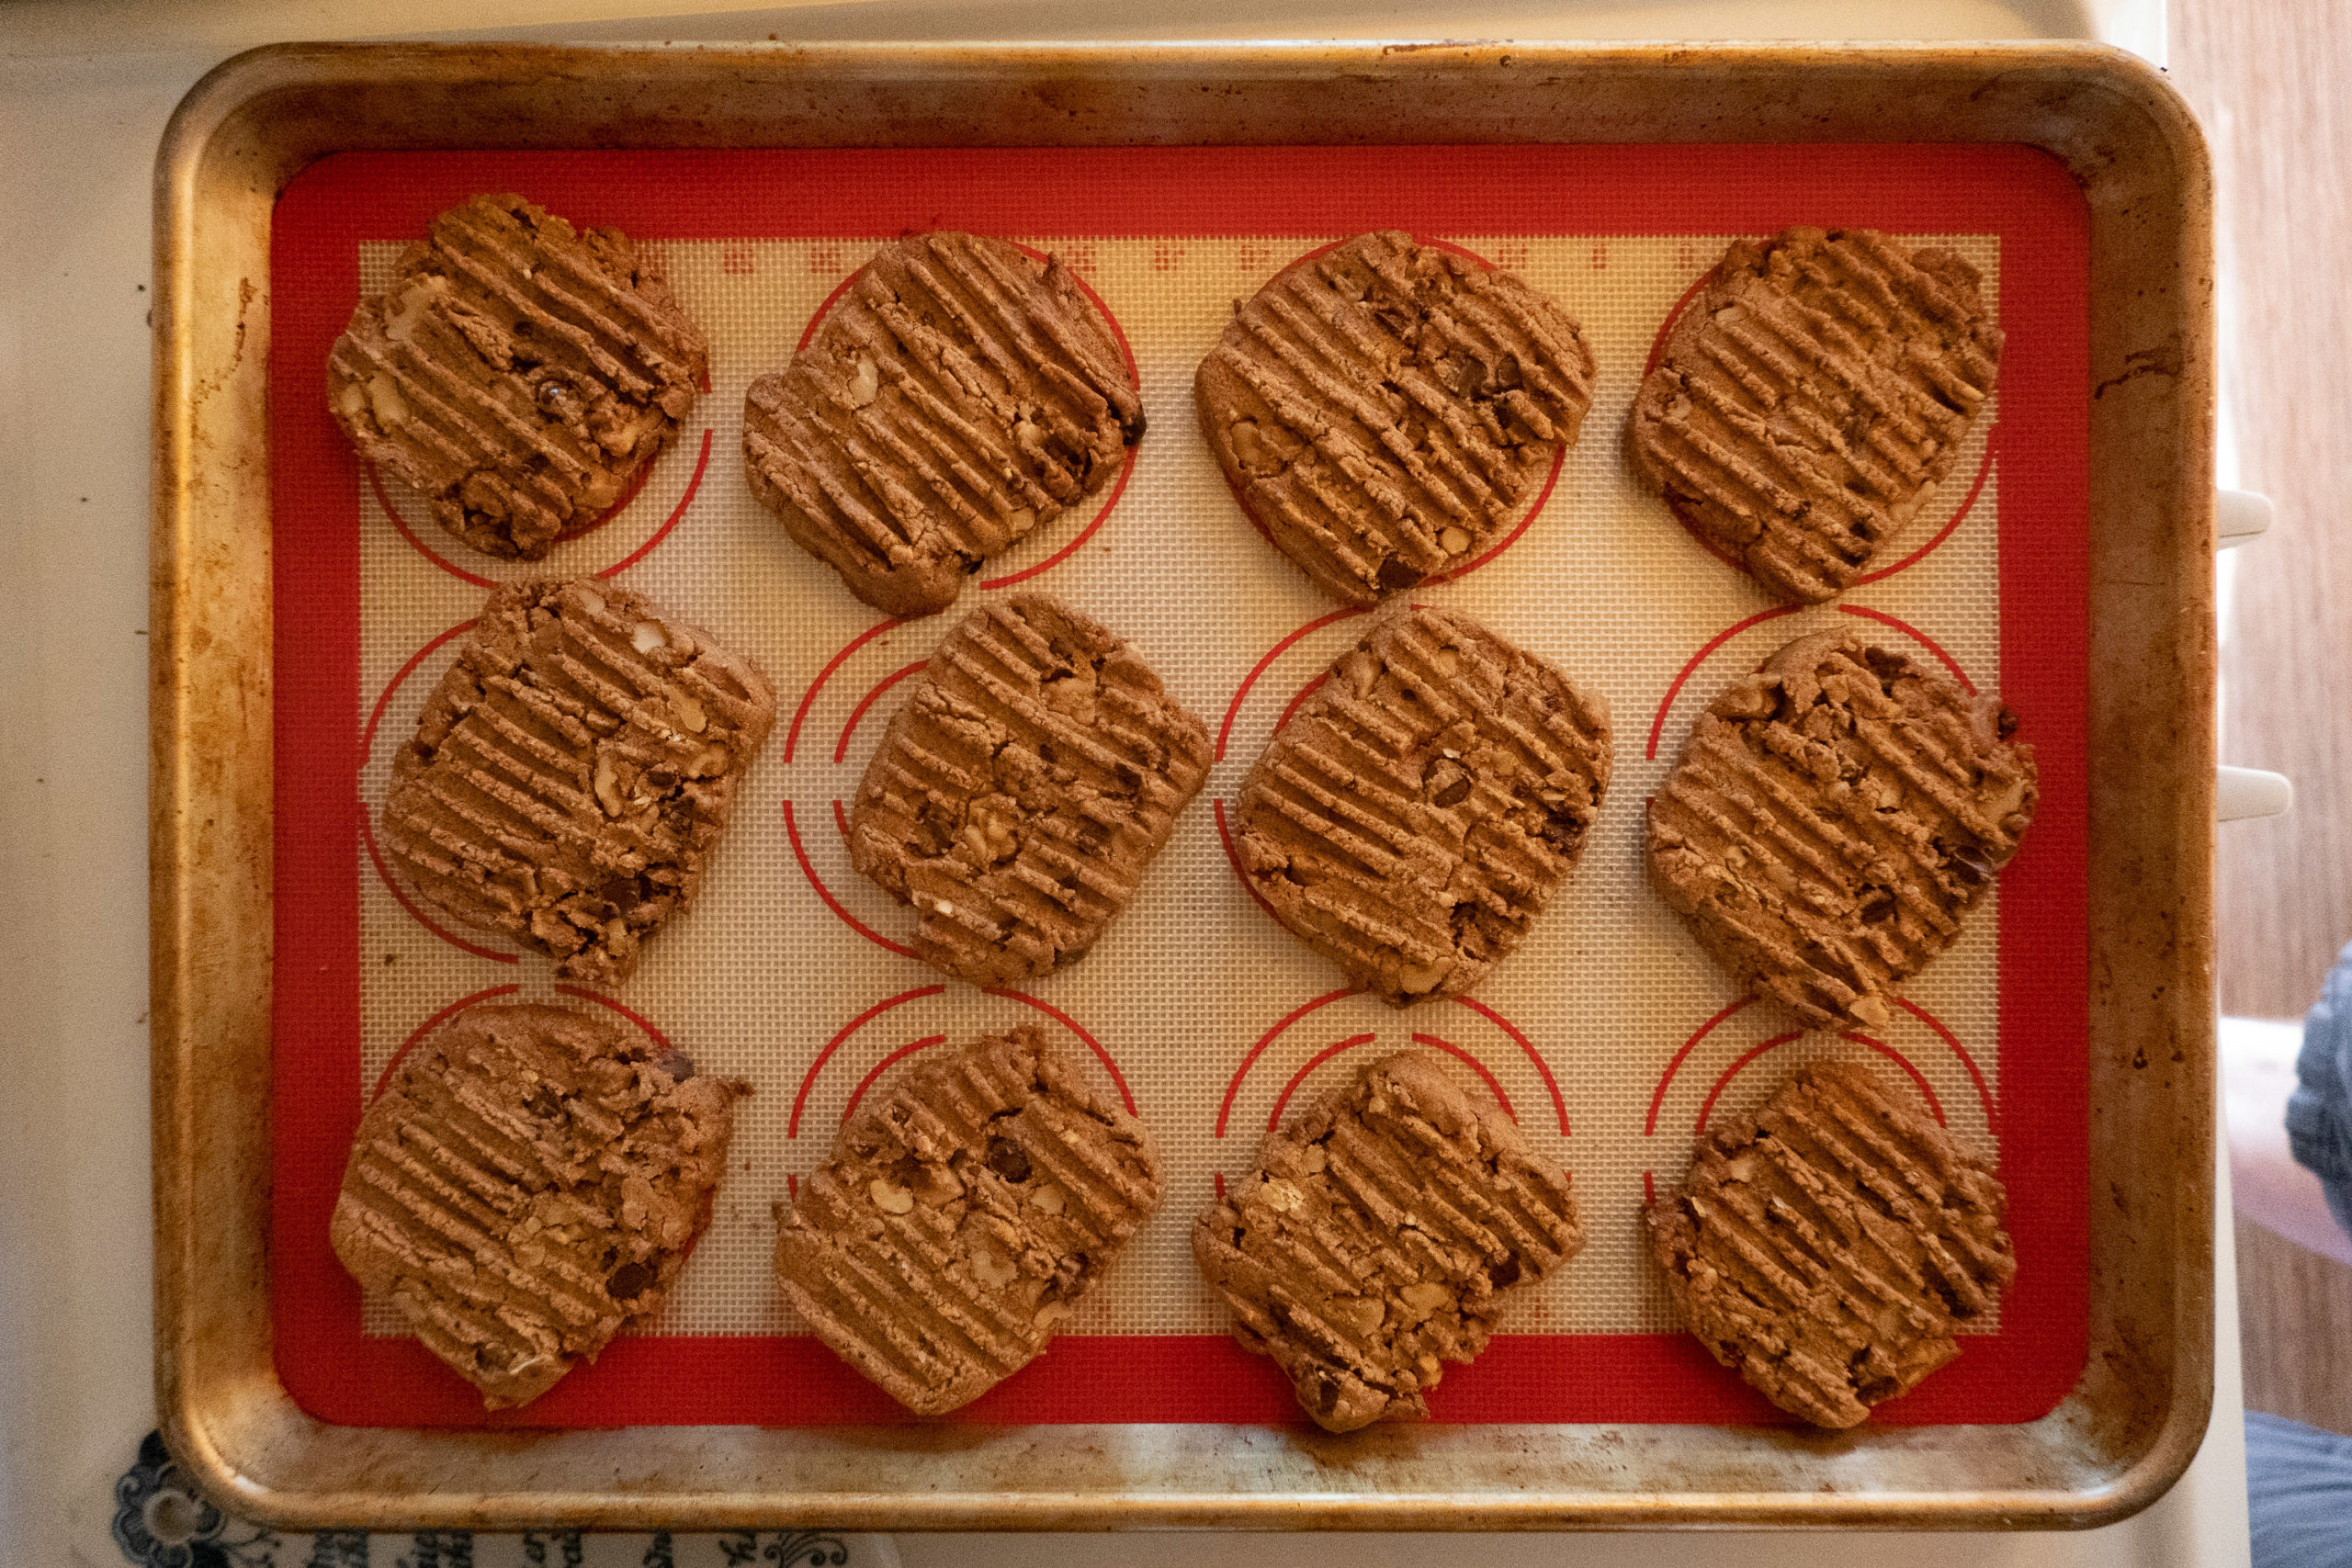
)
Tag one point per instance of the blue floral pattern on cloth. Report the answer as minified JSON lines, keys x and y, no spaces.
{"x":161,"y":1520}
{"x":2319,"y":1114}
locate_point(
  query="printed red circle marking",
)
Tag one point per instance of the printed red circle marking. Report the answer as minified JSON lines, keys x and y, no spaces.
{"x":1650,"y":1122}
{"x":1707,"y":1106}
{"x":801,"y":853}
{"x":841,"y":748}
{"x":584,"y":994}
{"x":809,"y":1079}
{"x":1983,"y":1091}
{"x":909,"y":1049}
{"x":692,"y":484}
{"x":1915,"y":634}
{"x":1232,"y":709}
{"x":1720,"y":637}
{"x":1559,"y":461}
{"x":400,"y":895}
{"x":1072,"y":1024}
{"x":1233,"y":1087}
{"x":792,"y":736}
{"x":1543,"y":1068}
{"x":422,"y":1030}
{"x":1274,"y":1117}
{"x":1968,"y":504}
{"x":628,"y":495}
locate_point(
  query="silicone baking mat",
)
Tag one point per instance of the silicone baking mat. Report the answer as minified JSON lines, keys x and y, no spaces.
{"x":1609,"y":1037}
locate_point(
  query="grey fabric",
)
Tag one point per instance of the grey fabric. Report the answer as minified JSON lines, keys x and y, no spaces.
{"x":2298,"y":1493}
{"x":2319,"y":1114}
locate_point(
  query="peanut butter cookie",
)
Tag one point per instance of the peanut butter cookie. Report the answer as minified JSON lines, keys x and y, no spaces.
{"x":1383,"y":1232}
{"x":1418,"y":812}
{"x":1016,"y":799}
{"x":1827,"y":1247}
{"x":958,"y":397}
{"x":518,"y":371}
{"x":1810,"y":399}
{"x":1835,"y":816}
{"x":958,"y":1222}
{"x":1386,"y":409}
{"x":527,"y":1184}
{"x":574,"y":771}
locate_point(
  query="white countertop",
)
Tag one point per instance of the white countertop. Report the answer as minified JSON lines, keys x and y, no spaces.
{"x":84,"y":91}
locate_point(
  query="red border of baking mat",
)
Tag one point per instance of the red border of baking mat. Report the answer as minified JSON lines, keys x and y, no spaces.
{"x":2020,"y":195}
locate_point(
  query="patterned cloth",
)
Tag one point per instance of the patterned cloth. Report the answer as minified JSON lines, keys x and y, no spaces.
{"x":162,"y":1521}
{"x":2319,"y":1114}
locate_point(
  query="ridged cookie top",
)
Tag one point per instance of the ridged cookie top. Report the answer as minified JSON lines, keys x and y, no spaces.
{"x":1017,"y":797}
{"x":574,"y":769}
{"x":960,"y":1220}
{"x":1386,"y":408}
{"x":1834,"y":818}
{"x":1415,"y":815}
{"x":1816,"y":390}
{"x":518,"y":372}
{"x":1384,"y":1231}
{"x":958,"y":397}
{"x":528,"y":1182}
{"x":1827,"y":1247}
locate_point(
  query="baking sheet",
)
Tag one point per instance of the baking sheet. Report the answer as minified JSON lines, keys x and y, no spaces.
{"x":1608,"y":1035}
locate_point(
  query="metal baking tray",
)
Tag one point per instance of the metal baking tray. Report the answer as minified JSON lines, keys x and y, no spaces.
{"x":2113,"y":1445}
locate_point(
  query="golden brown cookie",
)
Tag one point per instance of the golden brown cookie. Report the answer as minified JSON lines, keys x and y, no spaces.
{"x":1416,"y":814}
{"x":1828,"y":1247}
{"x":1835,"y":816}
{"x":574,"y":771}
{"x":1032,"y":775}
{"x":1386,"y":409}
{"x":962,"y":1216}
{"x":528,"y":1183}
{"x":1811,"y":397}
{"x":958,"y":397}
{"x":1384,"y":1231}
{"x":518,"y":371}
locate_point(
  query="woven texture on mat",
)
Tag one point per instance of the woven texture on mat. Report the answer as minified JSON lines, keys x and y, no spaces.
{"x":1575,"y":1033}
